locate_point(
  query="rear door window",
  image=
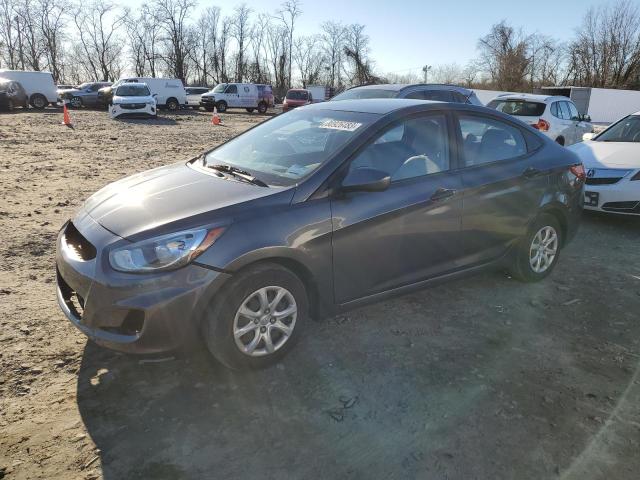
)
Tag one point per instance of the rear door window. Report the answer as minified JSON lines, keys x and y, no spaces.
{"x":563,"y":108}
{"x":518,"y":108}
{"x":487,"y":140}
{"x":573,"y":111}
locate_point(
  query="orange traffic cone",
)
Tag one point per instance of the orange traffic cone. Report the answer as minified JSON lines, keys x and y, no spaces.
{"x":66,"y":119}
{"x":215,"y":119}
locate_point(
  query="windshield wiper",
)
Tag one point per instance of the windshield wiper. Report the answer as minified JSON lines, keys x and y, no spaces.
{"x":238,"y":172}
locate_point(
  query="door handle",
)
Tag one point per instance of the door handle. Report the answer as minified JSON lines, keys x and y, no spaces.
{"x":442,"y":193}
{"x":531,"y":172}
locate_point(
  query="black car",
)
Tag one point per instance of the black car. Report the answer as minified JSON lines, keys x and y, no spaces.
{"x":322,"y":209}
{"x":12,"y":95}
{"x":439,"y":92}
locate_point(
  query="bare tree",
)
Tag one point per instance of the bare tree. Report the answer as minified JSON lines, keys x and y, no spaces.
{"x":98,"y":24}
{"x":333,"y":35}
{"x":52,"y":22}
{"x":309,"y":59}
{"x":288,"y":13}
{"x":9,"y":34}
{"x":240,"y":31}
{"x":172,"y":17}
{"x":356,"y":49}
{"x":277,"y":48}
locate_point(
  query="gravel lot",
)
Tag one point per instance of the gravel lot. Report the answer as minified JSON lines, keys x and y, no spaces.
{"x":484,"y":378}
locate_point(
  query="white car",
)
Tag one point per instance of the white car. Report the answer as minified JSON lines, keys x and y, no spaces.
{"x":612,"y":162}
{"x":234,"y":95}
{"x":133,"y":99}
{"x":193,"y":96}
{"x":555,"y":116}
{"x":39,"y":86}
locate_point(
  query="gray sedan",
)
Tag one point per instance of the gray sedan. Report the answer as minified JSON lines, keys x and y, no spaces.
{"x":312,"y":212}
{"x":86,"y":95}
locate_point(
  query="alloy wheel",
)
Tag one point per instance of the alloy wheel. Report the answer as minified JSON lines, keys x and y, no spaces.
{"x":265,"y":321}
{"x":543,"y":249}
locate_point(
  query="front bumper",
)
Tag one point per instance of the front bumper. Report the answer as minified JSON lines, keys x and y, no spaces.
{"x":207,"y":101}
{"x":622,"y":197}
{"x":134,"y":313}
{"x":141,"y":110}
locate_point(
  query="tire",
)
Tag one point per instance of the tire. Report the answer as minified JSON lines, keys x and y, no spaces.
{"x":526,"y":267}
{"x":262,"y":108}
{"x":223,"y":317}
{"x":38,"y":101}
{"x":560,"y":141}
{"x":75,"y":102}
{"x":250,"y":110}
{"x":221,"y":106}
{"x":172,"y":105}
{"x":10,"y":106}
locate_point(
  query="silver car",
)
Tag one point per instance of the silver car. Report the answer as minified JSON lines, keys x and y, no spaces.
{"x":85,"y":95}
{"x":555,"y":116}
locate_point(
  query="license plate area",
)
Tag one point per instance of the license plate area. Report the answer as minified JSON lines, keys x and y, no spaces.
{"x":591,"y":199}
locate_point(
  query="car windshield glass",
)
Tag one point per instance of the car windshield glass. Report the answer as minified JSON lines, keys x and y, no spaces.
{"x":626,"y":130}
{"x":359,"y":93}
{"x":220,"y":88}
{"x":297,"y":95}
{"x":132,"y":90}
{"x":519,"y":108}
{"x":289,"y":147}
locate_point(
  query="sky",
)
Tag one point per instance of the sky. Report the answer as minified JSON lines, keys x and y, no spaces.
{"x":407,"y":34}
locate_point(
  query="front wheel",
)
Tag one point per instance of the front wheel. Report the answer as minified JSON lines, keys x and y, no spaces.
{"x":172,"y":105}
{"x":221,"y":106}
{"x":538,"y":252}
{"x":258,"y":318}
{"x":75,"y":102}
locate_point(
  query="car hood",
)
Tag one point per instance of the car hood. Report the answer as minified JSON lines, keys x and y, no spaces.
{"x":297,"y":102}
{"x":165,"y":195}
{"x":143,"y":99}
{"x":608,"y":154}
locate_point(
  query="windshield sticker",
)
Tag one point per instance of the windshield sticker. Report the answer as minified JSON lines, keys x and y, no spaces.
{"x":339,"y":125}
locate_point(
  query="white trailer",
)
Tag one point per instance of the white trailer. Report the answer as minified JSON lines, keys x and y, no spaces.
{"x":319,"y":93}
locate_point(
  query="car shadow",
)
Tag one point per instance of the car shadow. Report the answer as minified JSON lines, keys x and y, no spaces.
{"x":160,"y":120}
{"x":625,"y":223}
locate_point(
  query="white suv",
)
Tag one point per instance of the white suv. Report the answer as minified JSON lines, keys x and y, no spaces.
{"x":557,"y":117}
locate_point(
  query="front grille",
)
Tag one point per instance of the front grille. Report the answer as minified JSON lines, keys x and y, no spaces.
{"x":132,"y":106}
{"x":208,"y":100}
{"x":77,"y":244}
{"x":603,"y":181}
{"x":73,"y":299}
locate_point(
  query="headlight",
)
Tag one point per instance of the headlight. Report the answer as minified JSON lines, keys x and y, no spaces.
{"x":151,"y":102}
{"x":166,"y":252}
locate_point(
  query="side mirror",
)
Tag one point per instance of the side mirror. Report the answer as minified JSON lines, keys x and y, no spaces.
{"x":586,"y":118}
{"x":365,"y":180}
{"x":588,"y":136}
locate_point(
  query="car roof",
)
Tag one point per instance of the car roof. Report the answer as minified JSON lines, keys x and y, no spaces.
{"x":378,"y":106}
{"x":531,"y":97}
{"x":397,"y":87}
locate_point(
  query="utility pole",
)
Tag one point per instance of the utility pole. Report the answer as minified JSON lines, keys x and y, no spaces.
{"x":425,"y":70}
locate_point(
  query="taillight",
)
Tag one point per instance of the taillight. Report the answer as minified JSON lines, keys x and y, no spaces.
{"x":542,"y":125}
{"x":578,"y":171}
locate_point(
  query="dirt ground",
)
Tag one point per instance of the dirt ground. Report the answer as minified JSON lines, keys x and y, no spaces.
{"x":484,"y":378}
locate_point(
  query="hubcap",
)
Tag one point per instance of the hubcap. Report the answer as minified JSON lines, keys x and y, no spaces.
{"x":265,"y":321}
{"x":543,"y":250}
{"x":75,"y":102}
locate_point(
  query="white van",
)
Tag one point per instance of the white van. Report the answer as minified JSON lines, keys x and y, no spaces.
{"x":170,"y":92}
{"x":234,"y":95}
{"x":39,"y":86}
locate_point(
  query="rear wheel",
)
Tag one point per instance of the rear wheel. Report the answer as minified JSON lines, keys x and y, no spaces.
{"x":537,"y":254}
{"x":38,"y":101}
{"x":172,"y":104}
{"x":258,"y":318}
{"x":262,"y":108}
{"x":221,"y":106}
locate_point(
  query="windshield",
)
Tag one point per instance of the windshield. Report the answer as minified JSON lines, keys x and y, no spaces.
{"x":518,"y":108}
{"x":297,"y":95}
{"x":626,"y":130}
{"x":132,"y":90}
{"x":359,"y":93}
{"x":220,"y":88}
{"x":289,"y":147}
